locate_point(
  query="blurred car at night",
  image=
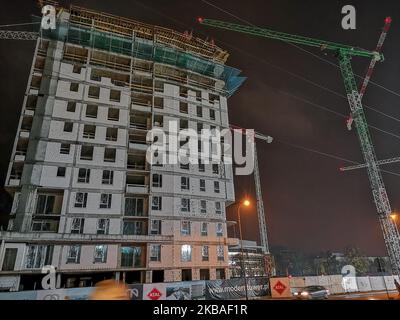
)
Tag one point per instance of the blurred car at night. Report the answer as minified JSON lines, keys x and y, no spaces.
{"x":312,"y":292}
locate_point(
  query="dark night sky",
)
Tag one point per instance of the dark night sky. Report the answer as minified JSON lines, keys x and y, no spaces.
{"x":310,"y":206}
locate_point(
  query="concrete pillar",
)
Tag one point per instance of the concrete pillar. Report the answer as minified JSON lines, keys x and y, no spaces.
{"x":195,"y":274}
{"x":58,"y":281}
{"x":149,"y":276}
{"x":2,"y":251}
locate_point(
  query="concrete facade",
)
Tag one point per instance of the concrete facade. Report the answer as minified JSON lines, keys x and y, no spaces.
{"x":85,"y":199}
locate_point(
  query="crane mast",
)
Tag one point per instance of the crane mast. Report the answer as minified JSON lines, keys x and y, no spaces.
{"x":344,"y":53}
{"x":259,"y":200}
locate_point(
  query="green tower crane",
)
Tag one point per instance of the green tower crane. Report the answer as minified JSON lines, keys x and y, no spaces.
{"x":344,"y":54}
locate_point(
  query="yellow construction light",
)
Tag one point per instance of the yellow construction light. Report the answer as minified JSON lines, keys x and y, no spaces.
{"x":246,"y":203}
{"x":393,"y":216}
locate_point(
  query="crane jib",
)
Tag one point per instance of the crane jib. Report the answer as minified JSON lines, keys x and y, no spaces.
{"x":286,"y":37}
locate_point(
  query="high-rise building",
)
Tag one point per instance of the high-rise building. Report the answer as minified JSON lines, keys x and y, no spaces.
{"x":85,"y":199}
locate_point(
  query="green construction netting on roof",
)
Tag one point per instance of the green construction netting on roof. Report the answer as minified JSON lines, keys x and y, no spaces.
{"x":145,"y":49}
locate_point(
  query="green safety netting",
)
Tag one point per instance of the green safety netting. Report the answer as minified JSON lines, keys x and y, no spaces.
{"x":148,"y":50}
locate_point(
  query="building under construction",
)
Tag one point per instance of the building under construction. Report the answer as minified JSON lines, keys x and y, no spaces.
{"x":85,"y":199}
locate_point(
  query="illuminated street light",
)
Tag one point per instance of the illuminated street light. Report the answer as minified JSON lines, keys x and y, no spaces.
{"x":246,"y":203}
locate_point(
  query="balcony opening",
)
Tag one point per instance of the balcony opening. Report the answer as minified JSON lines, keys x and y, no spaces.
{"x":204,"y":274}
{"x":212,"y":114}
{"x":186,"y":274}
{"x":39,"y":63}
{"x":158,"y":121}
{"x":141,"y":99}
{"x":48,"y":204}
{"x":136,"y":180}
{"x":36,"y":81}
{"x":68,"y":126}
{"x":16,"y":171}
{"x":158,"y":276}
{"x":199,"y":111}
{"x":135,"y":207}
{"x":71,"y":106}
{"x":113,"y":114}
{"x":87,"y":153}
{"x":89,"y":131}
{"x":26,"y":124}
{"x":95,"y":76}
{"x":158,"y":102}
{"x":22,"y":147}
{"x":94,"y":92}
{"x":115,"y":95}
{"x":74,"y":87}
{"x":183,"y":107}
{"x":183,"y":124}
{"x":142,"y":83}
{"x":137,"y":161}
{"x":31,"y":102}
{"x":134,"y":228}
{"x":159,"y":86}
{"x":198,"y":96}
{"x":213,"y":98}
{"x":138,"y":138}
{"x":91,"y":111}
{"x":77,"y":68}
{"x":39,"y":225}
{"x":139,"y":121}
{"x":112,"y":134}
{"x":183,"y":92}
{"x":110,"y":154}
{"x":132,"y":257}
{"x":142,"y":65}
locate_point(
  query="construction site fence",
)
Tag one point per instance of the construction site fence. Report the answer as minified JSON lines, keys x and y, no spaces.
{"x":228,"y":289}
{"x":218,"y":289}
{"x":338,"y":284}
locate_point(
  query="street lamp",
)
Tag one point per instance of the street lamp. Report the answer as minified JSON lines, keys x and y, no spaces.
{"x":394,"y":217}
{"x":245,"y":203}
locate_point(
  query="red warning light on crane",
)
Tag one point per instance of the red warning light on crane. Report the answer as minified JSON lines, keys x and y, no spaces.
{"x":200,"y":19}
{"x":388,"y":20}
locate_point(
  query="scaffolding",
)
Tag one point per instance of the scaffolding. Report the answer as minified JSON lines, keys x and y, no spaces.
{"x":91,"y":29}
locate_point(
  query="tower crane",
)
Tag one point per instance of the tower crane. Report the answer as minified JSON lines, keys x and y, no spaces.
{"x":259,"y":201}
{"x":344,"y":54}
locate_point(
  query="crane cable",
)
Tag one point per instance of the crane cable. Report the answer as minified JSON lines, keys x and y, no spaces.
{"x":298,"y":47}
{"x":274,"y":65}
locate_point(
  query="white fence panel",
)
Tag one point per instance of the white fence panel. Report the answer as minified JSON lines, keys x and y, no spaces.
{"x":377,"y":283}
{"x":324,"y":281}
{"x":297,"y":282}
{"x":363,"y":284}
{"x":311,"y":281}
{"x":389,"y":282}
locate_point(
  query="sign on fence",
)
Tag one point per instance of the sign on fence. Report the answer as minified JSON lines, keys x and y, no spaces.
{"x":236,"y":289}
{"x":280,"y":288}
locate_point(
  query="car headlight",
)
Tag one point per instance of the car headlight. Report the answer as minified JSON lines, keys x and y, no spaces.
{"x":296,"y":293}
{"x":304,"y":293}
